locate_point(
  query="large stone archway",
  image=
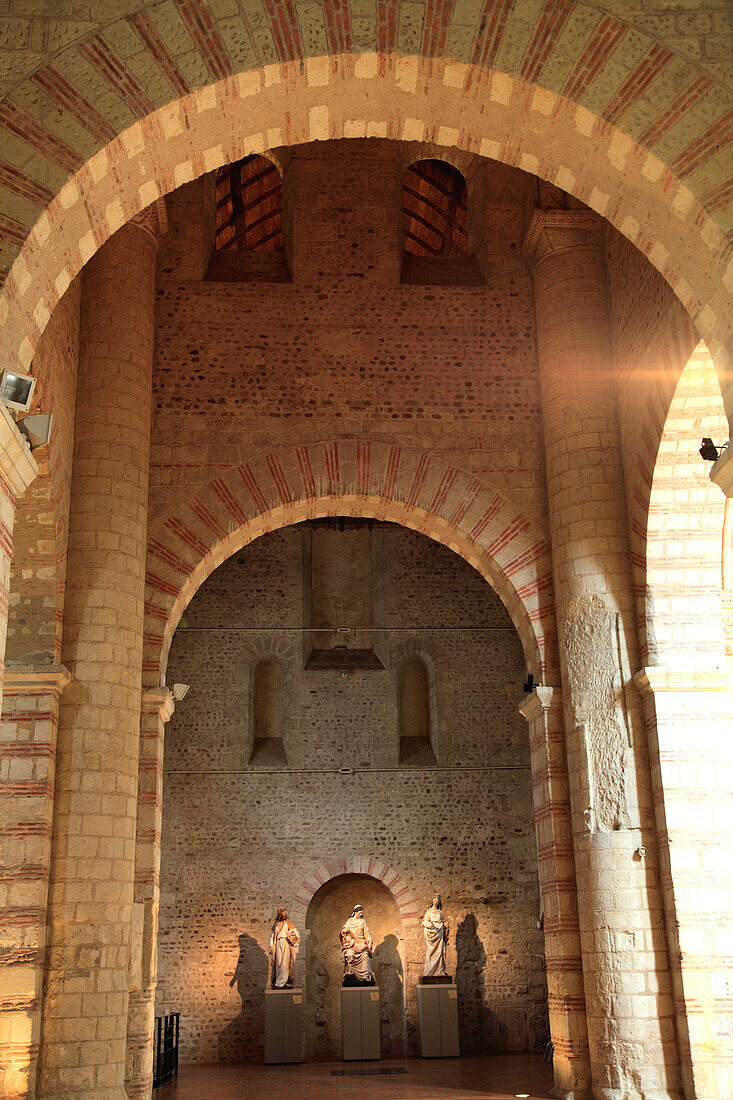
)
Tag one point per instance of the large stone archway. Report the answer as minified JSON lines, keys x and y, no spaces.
{"x":371,"y":95}
{"x":347,"y":477}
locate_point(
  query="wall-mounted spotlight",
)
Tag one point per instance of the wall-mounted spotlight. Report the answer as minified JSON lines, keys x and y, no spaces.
{"x":36,"y":429}
{"x":709,"y":451}
{"x":180,"y":691}
{"x":16,"y":390}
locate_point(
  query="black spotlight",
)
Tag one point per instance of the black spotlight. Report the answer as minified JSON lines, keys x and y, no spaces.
{"x":529,"y":685}
{"x":708,"y":450}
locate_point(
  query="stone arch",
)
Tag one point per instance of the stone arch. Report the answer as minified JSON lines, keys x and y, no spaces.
{"x":685,"y":549}
{"x":360,"y":478}
{"x":372,"y":95}
{"x":320,"y":873}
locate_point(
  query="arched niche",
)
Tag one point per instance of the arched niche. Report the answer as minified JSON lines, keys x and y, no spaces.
{"x":329,"y":908}
{"x":248,"y":230}
{"x":416,"y":712}
{"x":267,"y":712}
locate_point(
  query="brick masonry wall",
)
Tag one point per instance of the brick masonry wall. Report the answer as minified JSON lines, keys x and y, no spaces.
{"x":452,"y":370}
{"x":235,"y":840}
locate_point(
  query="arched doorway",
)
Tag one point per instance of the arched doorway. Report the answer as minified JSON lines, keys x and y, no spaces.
{"x":242,"y":835}
{"x":329,"y":908}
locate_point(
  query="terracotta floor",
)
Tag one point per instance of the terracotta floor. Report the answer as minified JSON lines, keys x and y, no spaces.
{"x":499,"y":1078}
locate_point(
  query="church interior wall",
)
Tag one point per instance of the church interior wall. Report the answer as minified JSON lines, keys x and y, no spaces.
{"x":345,"y":350}
{"x":238,"y":839}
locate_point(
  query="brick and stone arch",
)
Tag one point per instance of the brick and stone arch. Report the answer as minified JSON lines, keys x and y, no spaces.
{"x":317,"y":874}
{"x":371,"y":95}
{"x":353,"y":478}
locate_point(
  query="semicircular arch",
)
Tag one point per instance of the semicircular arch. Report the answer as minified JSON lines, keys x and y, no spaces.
{"x":353,"y":478}
{"x":321,"y":872}
{"x":369,"y":95}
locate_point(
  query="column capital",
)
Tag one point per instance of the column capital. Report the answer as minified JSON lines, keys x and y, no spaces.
{"x":36,"y":679}
{"x":153,"y":220}
{"x":539,"y":701}
{"x":554,"y":231}
{"x":17,"y":464}
{"x":160,"y":701}
{"x":658,"y":679}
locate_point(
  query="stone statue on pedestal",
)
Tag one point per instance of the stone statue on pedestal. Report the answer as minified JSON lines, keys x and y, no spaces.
{"x":357,"y":948}
{"x":435,"y":931}
{"x":284,"y":945}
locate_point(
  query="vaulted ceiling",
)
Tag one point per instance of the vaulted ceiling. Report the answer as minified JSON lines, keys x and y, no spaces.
{"x":75,"y":73}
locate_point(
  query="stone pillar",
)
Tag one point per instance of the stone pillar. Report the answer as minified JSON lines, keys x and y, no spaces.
{"x":566,"y":998}
{"x":84,"y":1021}
{"x":630,"y":1016}
{"x":28,"y":751}
{"x":18,"y":468}
{"x":157,"y":707}
{"x":690,"y":729}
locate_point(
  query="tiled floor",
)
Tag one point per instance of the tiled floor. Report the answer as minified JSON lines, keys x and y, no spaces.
{"x":499,"y":1078}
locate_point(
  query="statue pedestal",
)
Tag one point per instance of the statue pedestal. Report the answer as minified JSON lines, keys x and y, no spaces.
{"x":283,"y":1026}
{"x":437,"y":1009}
{"x":360,"y":1023}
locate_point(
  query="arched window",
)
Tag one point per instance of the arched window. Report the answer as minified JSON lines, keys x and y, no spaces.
{"x":415,"y":714}
{"x":267,"y":708}
{"x":435,"y":210}
{"x":249,"y":206}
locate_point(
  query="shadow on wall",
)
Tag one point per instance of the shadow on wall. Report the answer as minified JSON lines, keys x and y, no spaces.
{"x":474,"y":1024}
{"x":243,"y":1040}
{"x":319,"y":1042}
{"x":388,"y":971}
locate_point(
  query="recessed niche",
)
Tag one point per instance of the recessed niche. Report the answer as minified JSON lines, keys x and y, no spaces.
{"x":342,"y":578}
{"x":416,"y":725}
{"x":268,"y":698}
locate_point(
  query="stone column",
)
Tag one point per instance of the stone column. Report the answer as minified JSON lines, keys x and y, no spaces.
{"x":28,"y":751}
{"x":631,"y":1034}
{"x":690,"y":729}
{"x":157,"y":707}
{"x":566,"y":997}
{"x":84,"y":1020}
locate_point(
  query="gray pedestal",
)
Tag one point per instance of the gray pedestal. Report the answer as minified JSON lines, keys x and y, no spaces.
{"x":437,"y":1008}
{"x":283,"y":1026}
{"x":360,"y":1023}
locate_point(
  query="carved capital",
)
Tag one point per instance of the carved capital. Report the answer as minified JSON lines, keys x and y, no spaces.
{"x":539,"y":702}
{"x":158,"y":701}
{"x":153,"y":220}
{"x":553,"y":231}
{"x":658,"y":680}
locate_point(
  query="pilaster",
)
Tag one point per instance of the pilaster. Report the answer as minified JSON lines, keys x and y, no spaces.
{"x":689,"y":718}
{"x":566,"y":997}
{"x":156,"y":709}
{"x":28,"y":756}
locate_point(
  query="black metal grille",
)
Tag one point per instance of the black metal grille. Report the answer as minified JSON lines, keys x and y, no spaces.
{"x":165,"y":1064}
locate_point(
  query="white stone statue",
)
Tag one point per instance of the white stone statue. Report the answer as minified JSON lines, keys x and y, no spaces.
{"x":357,"y":948}
{"x":284,"y":946}
{"x":436,"y":939}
